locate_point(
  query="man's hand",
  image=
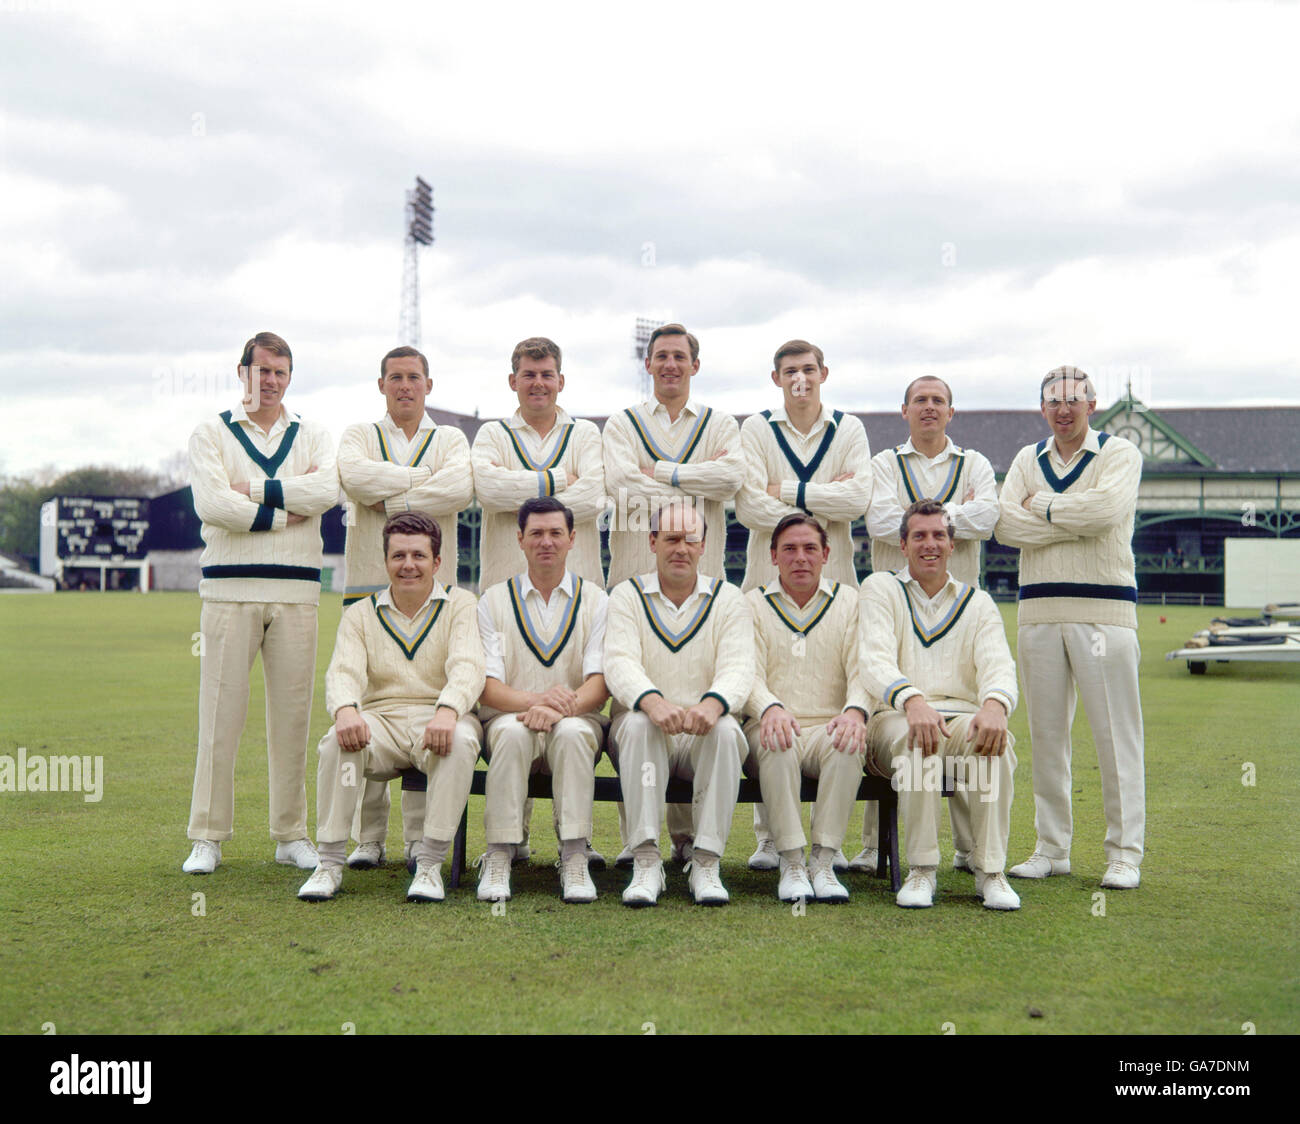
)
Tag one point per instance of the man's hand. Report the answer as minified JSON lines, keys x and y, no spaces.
{"x":540,"y":718}
{"x":558,"y":698}
{"x":351,"y":729}
{"x":1026,"y":501}
{"x":848,"y":731}
{"x":842,"y":477}
{"x":667,"y":716}
{"x":774,"y":490}
{"x":988,"y":729}
{"x":571,"y":477}
{"x":437,"y":734}
{"x":777,"y":729}
{"x":717,"y":456}
{"x":290,"y":518}
{"x":241,"y":488}
{"x":378,"y":506}
{"x":650,"y":472}
{"x":925,"y":726}
{"x":970,"y":495}
{"x":702,"y":717}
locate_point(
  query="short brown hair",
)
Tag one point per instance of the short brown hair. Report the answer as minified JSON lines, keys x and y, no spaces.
{"x":927,"y":507}
{"x":535,"y":347}
{"x":413,"y":523}
{"x":403,"y":353}
{"x":798,"y":519}
{"x":543,"y":505}
{"x":907,"y":394}
{"x":797,"y":347}
{"x":673,"y":330}
{"x":271,"y":342}
{"x":1059,"y":374}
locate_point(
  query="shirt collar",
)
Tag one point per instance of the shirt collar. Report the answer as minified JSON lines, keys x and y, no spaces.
{"x":948,"y":450}
{"x":652,"y":405}
{"x":438,"y":593}
{"x":240,"y":414}
{"x":950,"y":586}
{"x":516,"y":421}
{"x":1091,"y":444}
{"x":650,"y":583}
{"x":826,"y":417}
{"x":387,"y":422}
{"x":775,"y":586}
{"x":526,"y":585}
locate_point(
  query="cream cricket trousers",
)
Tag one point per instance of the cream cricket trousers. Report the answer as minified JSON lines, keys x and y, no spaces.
{"x":985,"y":785}
{"x":779,"y":773}
{"x":231,"y":634}
{"x":646,"y":757}
{"x":370,"y":825}
{"x":568,"y":752}
{"x":396,"y":743}
{"x":957,"y":815}
{"x":1058,"y":663}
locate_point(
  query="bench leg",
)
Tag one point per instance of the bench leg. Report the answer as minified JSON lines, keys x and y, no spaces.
{"x":888,"y":861}
{"x":458,"y":849}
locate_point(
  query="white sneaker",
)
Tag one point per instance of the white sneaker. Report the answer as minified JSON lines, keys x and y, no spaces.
{"x":839,"y":862}
{"x":322,"y":885}
{"x":204,"y":858}
{"x":766,"y":857}
{"x":794,"y":885}
{"x":961,"y":861}
{"x":367,"y":856}
{"x":299,"y":853}
{"x":995,"y":892}
{"x":1120,"y":876}
{"x":683,"y":852}
{"x":706,"y":882}
{"x":426,"y":886}
{"x":647,"y":883}
{"x":595,"y":860}
{"x":625,"y":859}
{"x":521,"y":853}
{"x":494,"y":876}
{"x":408,"y":853}
{"x":866,"y":861}
{"x":575,"y":879}
{"x":1038,"y":865}
{"x":918,"y":890}
{"x":826,"y":887}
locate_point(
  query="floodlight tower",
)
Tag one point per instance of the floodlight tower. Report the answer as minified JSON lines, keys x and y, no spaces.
{"x":644,"y":327}
{"x":419,"y":232}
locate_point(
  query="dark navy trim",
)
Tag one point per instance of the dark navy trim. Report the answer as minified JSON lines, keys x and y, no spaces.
{"x":1060,"y":483}
{"x":1079,"y":589}
{"x":726,"y":709}
{"x":262,"y":570}
{"x":273,"y":493}
{"x":799,"y":498}
{"x":805,"y":471}
{"x":653,"y":691}
{"x":264,"y":520}
{"x":269,"y":465}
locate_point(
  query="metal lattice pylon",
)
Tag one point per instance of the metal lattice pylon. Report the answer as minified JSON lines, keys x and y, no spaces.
{"x":419,"y":232}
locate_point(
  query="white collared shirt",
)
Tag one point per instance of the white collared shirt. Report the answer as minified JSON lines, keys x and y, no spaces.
{"x":1091,"y":444}
{"x":934,"y":606}
{"x":398,"y":443}
{"x":546,"y":613}
{"x":656,"y":409}
{"x":256,"y":432}
{"x":825,"y":418}
{"x":438,"y":593}
{"x":948,"y":450}
{"x":650,"y":583}
{"x":775,"y":587}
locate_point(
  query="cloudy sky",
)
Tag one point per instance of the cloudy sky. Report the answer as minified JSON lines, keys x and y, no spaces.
{"x":978,"y":191}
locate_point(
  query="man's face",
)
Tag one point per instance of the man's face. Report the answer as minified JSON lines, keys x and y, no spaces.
{"x":678,"y":544}
{"x":800,"y":377}
{"x":671,"y":366}
{"x":800,"y":556}
{"x":928,"y":412}
{"x":1067,"y":409}
{"x":405,"y":386}
{"x":411,"y":563}
{"x":927,"y":546}
{"x":266,"y":380}
{"x":537,"y":384}
{"x":546,"y":539}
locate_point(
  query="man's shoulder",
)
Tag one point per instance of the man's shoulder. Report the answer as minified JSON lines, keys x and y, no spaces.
{"x":457,"y":597}
{"x":884,"y":583}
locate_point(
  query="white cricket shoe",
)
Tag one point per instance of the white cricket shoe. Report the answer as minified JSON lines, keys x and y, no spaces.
{"x":1120,"y":876}
{"x":595,"y":860}
{"x":647,"y":883}
{"x":426,"y":886}
{"x":1038,"y":865}
{"x":299,"y":853}
{"x":766,"y":856}
{"x":826,"y":887}
{"x":575,"y":879}
{"x":839,"y":863}
{"x":794,"y":885}
{"x":204,"y":858}
{"x":961,"y":861}
{"x":995,"y":891}
{"x":706,"y":882}
{"x":322,"y":885}
{"x":367,"y":856}
{"x":494,"y":876}
{"x":866,"y":861}
{"x":918,"y":890}
{"x":625,"y":858}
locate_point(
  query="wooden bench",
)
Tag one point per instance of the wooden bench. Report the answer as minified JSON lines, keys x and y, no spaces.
{"x":608,"y":790}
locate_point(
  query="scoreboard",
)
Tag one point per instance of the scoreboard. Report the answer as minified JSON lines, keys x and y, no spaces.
{"x":101,"y":528}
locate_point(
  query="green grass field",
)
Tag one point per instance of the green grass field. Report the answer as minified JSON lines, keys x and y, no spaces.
{"x":102,"y":933}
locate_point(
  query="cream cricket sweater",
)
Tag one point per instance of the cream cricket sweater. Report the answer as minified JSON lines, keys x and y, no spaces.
{"x":1076,"y":539}
{"x":806,"y":659}
{"x":513,"y":463}
{"x":384,"y":659}
{"x":250,"y":551}
{"x":903,"y":475}
{"x":430,"y":474}
{"x":951,"y":649}
{"x":806,"y":466}
{"x":532,"y":645}
{"x":679,"y":455}
{"x":704,"y":648}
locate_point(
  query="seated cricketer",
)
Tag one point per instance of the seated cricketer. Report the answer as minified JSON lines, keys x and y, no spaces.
{"x":807,"y":709}
{"x":406,"y":672}
{"x":934,"y":651}
{"x":679,"y":661}
{"x":543,"y":635}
